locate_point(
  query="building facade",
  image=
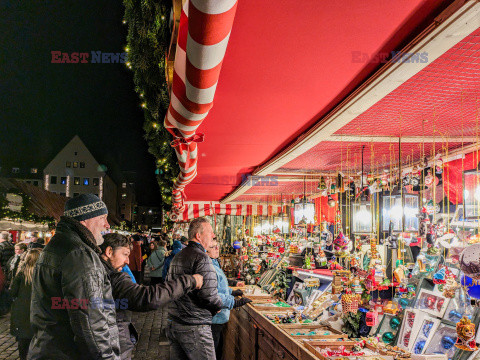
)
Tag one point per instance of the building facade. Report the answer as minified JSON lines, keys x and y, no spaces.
{"x":74,"y":171}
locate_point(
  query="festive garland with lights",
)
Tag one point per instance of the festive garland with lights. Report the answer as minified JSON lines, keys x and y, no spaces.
{"x":148,"y":38}
{"x":24,"y":214}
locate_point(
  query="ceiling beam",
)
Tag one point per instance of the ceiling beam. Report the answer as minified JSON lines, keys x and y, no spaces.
{"x":445,"y":32}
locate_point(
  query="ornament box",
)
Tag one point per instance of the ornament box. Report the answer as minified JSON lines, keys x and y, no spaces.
{"x":432,"y":302}
{"x":443,"y":341}
{"x":425,"y":330}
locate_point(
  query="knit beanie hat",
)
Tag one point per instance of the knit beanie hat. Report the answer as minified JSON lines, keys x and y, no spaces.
{"x":85,"y":206}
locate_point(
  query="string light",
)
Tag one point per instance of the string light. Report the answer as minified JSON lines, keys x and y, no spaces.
{"x":126,"y":49}
{"x":143,"y":106}
{"x":154,"y":124}
{"x":124,"y":21}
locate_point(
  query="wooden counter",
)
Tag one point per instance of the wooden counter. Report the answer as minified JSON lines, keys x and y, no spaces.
{"x":251,"y":336}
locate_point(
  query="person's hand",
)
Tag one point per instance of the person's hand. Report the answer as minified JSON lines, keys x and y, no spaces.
{"x":237,"y":292}
{"x":198,"y":280}
{"x":241,"y":302}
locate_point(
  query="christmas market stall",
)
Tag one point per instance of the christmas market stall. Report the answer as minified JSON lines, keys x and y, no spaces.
{"x":356,"y":232}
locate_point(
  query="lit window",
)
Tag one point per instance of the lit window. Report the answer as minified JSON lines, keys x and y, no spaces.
{"x":82,"y":165}
{"x":63,"y":180}
{"x":75,"y":164}
{"x":86,"y":181}
{"x":33,"y":170}
{"x":124,"y":185}
{"x":15,"y":170}
{"x":95,"y":181}
{"x":68,"y":164}
{"x":124,"y":196}
{"x":76,"y":181}
{"x":53,"y":179}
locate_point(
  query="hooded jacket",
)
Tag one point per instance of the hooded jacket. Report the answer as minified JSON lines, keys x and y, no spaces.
{"x":68,"y":274}
{"x":130,"y":296}
{"x":176,"y":248}
{"x":156,"y":260}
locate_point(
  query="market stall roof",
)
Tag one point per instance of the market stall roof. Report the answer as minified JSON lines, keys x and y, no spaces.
{"x":431,"y":107}
{"x":42,"y":202}
{"x":287,"y":66}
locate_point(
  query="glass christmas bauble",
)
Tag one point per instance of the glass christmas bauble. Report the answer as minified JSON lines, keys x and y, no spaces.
{"x":419,"y":347}
{"x":388,"y":337}
{"x":447,"y":342}
{"x":394,"y":323}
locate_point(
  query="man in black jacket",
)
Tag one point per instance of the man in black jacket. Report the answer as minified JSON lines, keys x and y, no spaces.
{"x":190,"y":317}
{"x":69,"y":289}
{"x":130,"y":296}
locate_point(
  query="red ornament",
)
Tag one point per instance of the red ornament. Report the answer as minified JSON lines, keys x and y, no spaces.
{"x":430,"y":301}
{"x":440,"y":304}
{"x":406,"y":338}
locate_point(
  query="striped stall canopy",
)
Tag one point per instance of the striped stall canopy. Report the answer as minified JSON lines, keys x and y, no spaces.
{"x":204,"y":31}
{"x":198,"y":209}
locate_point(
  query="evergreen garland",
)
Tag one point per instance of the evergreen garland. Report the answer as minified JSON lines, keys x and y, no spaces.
{"x":147,"y":43}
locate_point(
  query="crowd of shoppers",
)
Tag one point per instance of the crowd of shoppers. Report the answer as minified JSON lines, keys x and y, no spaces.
{"x":73,"y":298}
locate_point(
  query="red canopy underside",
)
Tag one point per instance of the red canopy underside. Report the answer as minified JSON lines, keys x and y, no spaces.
{"x":289,"y":64}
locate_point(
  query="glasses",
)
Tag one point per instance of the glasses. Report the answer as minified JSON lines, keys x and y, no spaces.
{"x":214,"y":247}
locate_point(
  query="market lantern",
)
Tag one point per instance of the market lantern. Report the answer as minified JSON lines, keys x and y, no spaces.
{"x":471,"y":194}
{"x":371,"y":318}
{"x":362,"y":211}
{"x":401,"y":211}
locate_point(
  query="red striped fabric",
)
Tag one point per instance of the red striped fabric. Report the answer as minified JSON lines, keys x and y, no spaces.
{"x":196,"y":209}
{"x":204,"y":31}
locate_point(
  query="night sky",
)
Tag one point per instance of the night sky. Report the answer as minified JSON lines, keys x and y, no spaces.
{"x":44,"y":104}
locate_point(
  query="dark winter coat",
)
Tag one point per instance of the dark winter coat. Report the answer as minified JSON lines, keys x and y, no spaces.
{"x":7,"y":250}
{"x":12,"y":266}
{"x":197,"y":307}
{"x":130,"y":296}
{"x":20,"y":317}
{"x":68,"y":271}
